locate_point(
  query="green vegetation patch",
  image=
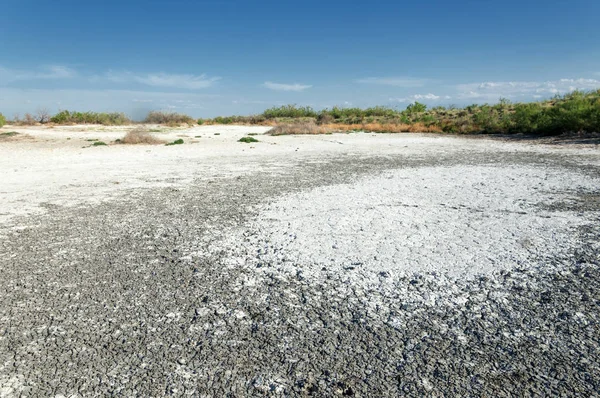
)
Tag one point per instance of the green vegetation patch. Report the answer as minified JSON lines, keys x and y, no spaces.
{"x":176,"y":142}
{"x":9,"y":134}
{"x":291,"y":111}
{"x":74,"y":117}
{"x":224,"y":120}
{"x":578,"y":111}
{"x":99,"y":143}
{"x":248,"y":140}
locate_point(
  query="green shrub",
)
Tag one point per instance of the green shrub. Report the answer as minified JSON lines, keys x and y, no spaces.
{"x":99,"y":143}
{"x":2,"y":120}
{"x":530,"y":118}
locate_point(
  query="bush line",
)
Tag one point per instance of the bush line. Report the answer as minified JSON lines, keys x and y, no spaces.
{"x":577,"y":111}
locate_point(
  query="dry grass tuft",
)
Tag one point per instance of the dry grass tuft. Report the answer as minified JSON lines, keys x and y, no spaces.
{"x":140,"y":136}
{"x":297,"y":128}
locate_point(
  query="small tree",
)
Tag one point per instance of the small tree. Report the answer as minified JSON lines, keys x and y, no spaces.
{"x":42,"y":115}
{"x":2,"y":120}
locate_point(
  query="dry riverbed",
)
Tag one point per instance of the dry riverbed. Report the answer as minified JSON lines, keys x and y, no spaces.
{"x":334,"y":265}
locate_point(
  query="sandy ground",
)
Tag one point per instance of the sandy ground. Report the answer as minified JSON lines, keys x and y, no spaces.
{"x":335,"y":265}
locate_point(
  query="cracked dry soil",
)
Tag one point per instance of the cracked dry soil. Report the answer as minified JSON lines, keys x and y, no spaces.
{"x":109,"y":301}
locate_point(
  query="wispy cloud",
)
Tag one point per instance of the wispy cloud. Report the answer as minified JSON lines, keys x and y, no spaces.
{"x":492,"y":91}
{"x":406,"y":82}
{"x":164,"y":80}
{"x":8,"y":75}
{"x":421,"y":97}
{"x":286,"y":87}
{"x":516,"y":89}
{"x":136,"y":103}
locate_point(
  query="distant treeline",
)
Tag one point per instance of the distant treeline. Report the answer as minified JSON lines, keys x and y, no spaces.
{"x":574,"y":112}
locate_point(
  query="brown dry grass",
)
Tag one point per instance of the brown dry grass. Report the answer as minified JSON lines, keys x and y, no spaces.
{"x":169,"y":118}
{"x":313,"y":128}
{"x":297,"y":128}
{"x":266,"y":123}
{"x":27,"y":120}
{"x":140,"y":136}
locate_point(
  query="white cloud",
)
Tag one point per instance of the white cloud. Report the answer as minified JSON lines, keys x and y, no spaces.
{"x":286,"y":87}
{"x":420,"y":97}
{"x":45,"y":72}
{"x":19,"y":100}
{"x":517,"y":89}
{"x":55,"y":72}
{"x":191,"y":82}
{"x":395,"y":81}
{"x":186,"y":81}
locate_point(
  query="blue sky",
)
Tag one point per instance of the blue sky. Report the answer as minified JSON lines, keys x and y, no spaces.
{"x":240,"y":57}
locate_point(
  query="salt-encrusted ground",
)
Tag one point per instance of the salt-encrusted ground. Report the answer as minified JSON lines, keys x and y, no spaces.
{"x":356,"y":265}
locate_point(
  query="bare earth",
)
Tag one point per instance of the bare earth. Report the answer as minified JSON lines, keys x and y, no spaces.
{"x":333,"y":265}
